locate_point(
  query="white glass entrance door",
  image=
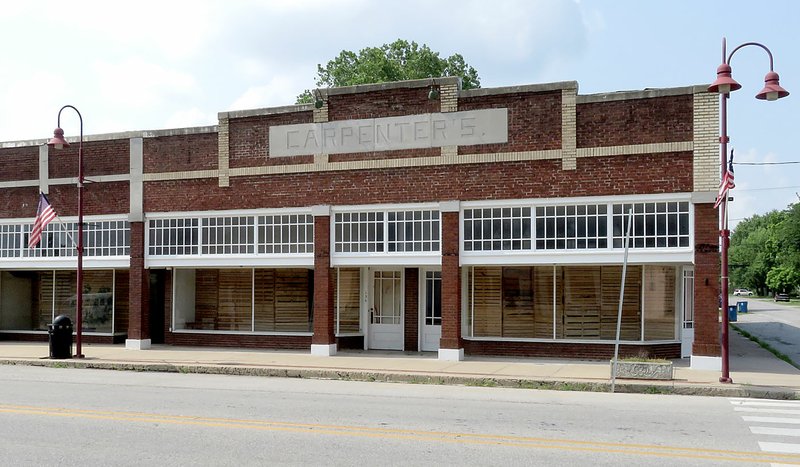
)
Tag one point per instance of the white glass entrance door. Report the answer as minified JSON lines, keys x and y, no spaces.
{"x":386,"y":310}
{"x":431,"y":310}
{"x":687,"y":331}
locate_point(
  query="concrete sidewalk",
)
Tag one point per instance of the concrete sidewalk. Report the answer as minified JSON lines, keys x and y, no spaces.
{"x":755,"y":372}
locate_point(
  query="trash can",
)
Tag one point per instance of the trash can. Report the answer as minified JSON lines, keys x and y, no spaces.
{"x":731,"y":313}
{"x":60,"y":335}
{"x":741,"y":307}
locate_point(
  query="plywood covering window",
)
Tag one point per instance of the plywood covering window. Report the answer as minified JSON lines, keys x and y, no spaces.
{"x":348,"y":292}
{"x":582,"y":302}
{"x":659,"y":303}
{"x":511,"y":302}
{"x":631,"y":322}
{"x":265,"y":300}
{"x":568,"y":302}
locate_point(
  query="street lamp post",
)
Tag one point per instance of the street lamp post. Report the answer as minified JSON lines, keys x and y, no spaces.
{"x":59,"y":142}
{"x":723,"y":85}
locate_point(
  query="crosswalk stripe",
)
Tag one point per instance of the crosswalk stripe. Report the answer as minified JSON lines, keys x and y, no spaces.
{"x":795,"y":421}
{"x":787,"y":448}
{"x":768,"y":430}
{"x":788,"y":405}
{"x":756,"y":409}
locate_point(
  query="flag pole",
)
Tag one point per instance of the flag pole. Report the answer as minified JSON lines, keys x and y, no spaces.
{"x":621,"y":296}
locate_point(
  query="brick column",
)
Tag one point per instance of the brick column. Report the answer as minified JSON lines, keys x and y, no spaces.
{"x":323,"y":343}
{"x":138,"y":293}
{"x":706,"y":348}
{"x":450,"y":347}
{"x":411,"y":322}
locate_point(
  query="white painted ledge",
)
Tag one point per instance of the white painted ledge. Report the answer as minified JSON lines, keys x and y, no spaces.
{"x":452,"y":355}
{"x":137,"y":344}
{"x":323,"y":350}
{"x":706,"y":363}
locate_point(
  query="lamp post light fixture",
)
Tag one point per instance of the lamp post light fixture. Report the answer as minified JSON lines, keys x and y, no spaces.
{"x":58,"y":142}
{"x":723,"y":85}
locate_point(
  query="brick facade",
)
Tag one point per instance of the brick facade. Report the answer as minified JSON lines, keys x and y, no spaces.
{"x":560,"y":145}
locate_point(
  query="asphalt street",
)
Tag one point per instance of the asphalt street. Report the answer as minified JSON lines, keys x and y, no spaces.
{"x":66,"y":416}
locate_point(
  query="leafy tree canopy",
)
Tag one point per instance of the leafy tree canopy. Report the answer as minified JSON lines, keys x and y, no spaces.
{"x":765,"y":252}
{"x":401,"y":60}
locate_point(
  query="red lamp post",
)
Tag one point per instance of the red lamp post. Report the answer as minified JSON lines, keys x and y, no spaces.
{"x":723,"y":85}
{"x":58,"y":142}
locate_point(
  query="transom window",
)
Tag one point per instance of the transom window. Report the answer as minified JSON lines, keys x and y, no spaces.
{"x":227,"y":235}
{"x":286,"y":234}
{"x":358,"y":232}
{"x":232,"y":235}
{"x":571,"y":227}
{"x":100,"y":238}
{"x":660,"y":224}
{"x":407,"y":231}
{"x":413,"y":231}
{"x":497,"y":229}
{"x":655,"y":225}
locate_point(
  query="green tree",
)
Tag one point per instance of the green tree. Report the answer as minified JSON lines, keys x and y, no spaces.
{"x":783,"y":279}
{"x":401,"y":60}
{"x":755,"y":250}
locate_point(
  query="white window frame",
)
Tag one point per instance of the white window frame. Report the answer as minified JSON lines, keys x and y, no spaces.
{"x":608,"y":255}
{"x":67,"y":255}
{"x":385,"y":258}
{"x":251,"y":258}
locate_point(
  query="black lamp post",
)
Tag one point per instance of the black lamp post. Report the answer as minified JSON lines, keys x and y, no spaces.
{"x":58,"y":142}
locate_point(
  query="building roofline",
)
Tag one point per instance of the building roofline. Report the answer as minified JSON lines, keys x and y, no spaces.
{"x":641,"y":94}
{"x":118,"y":135}
{"x":364,"y":88}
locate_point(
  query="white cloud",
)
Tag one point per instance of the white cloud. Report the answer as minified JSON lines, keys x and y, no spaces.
{"x":30,"y":106}
{"x":281,"y":90}
{"x":136,"y":83}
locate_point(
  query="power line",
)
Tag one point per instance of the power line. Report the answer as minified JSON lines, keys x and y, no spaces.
{"x":766,"y":163}
{"x":767,"y":189}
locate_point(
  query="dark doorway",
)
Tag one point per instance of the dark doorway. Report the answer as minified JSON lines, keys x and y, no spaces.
{"x":157,"y":279}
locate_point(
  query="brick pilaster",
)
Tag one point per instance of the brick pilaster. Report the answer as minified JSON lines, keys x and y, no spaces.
{"x":451,"y":283}
{"x":706,"y":282}
{"x":411,"y":331}
{"x":139,"y":287}
{"x":324,"y":314}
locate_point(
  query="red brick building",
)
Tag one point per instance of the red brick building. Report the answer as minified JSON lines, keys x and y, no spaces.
{"x":481,"y":222}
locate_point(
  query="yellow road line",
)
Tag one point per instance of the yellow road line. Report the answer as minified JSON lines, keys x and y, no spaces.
{"x":417,"y":435}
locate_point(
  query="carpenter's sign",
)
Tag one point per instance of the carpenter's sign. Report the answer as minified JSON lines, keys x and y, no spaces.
{"x":390,"y":133}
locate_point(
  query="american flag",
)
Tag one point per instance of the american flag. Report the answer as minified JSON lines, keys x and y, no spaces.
{"x":726,"y":183}
{"x":44,"y":214}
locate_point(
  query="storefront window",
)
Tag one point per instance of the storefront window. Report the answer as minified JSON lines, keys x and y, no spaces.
{"x":243,"y":300}
{"x":348,"y":293}
{"x":31,"y":299}
{"x":571,"y":302}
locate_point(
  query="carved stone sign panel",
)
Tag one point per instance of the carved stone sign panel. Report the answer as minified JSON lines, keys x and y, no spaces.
{"x":466,"y":128}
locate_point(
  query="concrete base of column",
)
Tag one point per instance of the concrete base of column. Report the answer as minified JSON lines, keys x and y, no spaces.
{"x":706,"y":363}
{"x":453,"y":355}
{"x":137,"y":344}
{"x":323,"y":350}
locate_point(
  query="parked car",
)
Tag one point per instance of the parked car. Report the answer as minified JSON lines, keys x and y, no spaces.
{"x":781,"y":297}
{"x":743,"y":293}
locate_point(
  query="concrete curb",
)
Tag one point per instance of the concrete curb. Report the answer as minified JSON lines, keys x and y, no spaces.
{"x":672,"y":387}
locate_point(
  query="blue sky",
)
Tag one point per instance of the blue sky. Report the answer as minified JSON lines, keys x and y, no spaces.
{"x":177,"y":63}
